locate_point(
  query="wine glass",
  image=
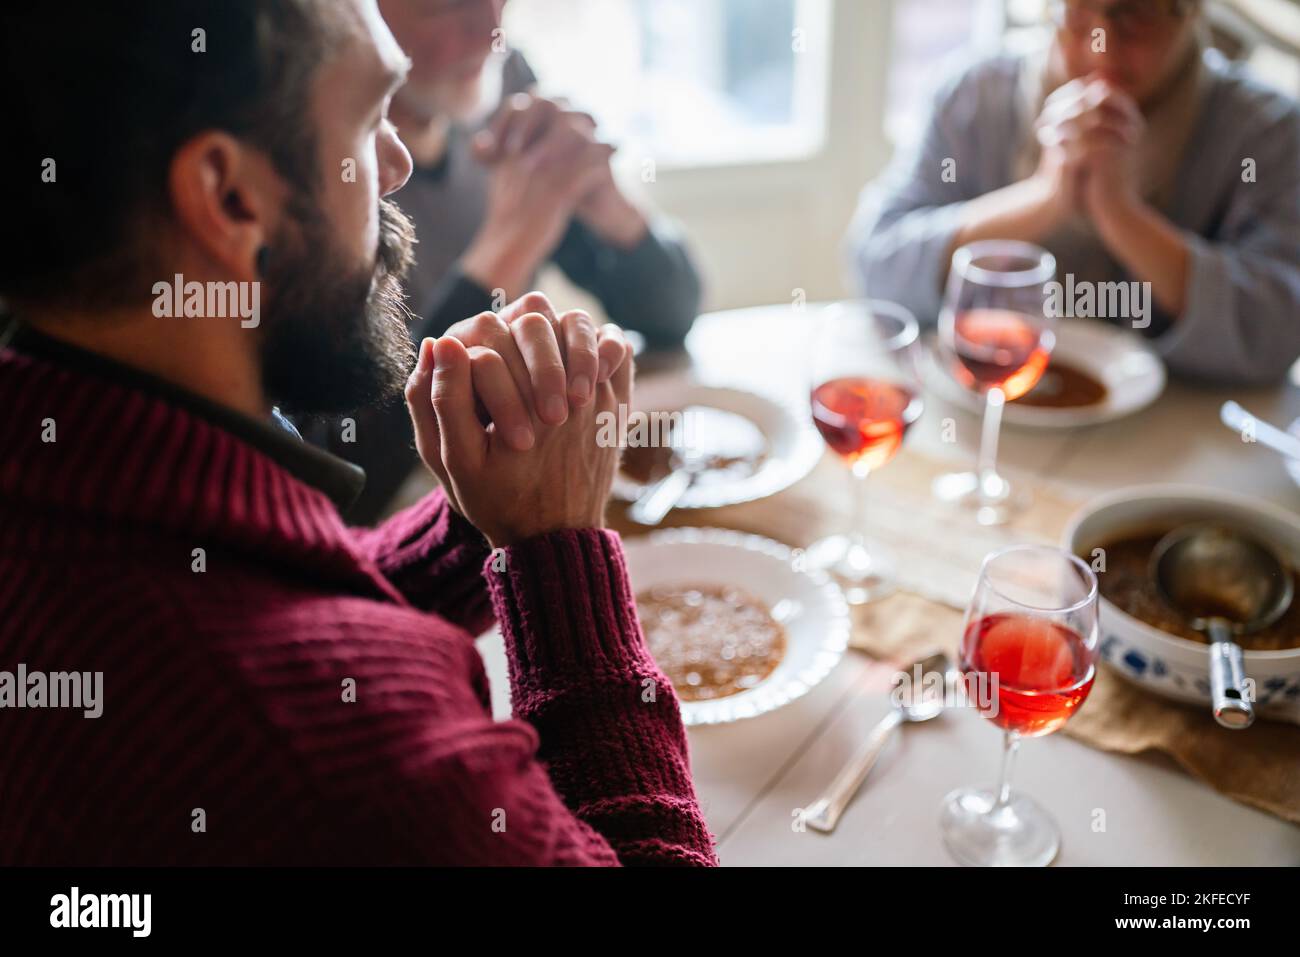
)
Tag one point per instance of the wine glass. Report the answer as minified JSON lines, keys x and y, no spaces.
{"x":865,"y":395}
{"x":995,"y":336}
{"x":1028,"y":657}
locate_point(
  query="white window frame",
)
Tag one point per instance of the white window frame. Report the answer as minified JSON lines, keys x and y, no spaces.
{"x":765,"y":230}
{"x":772,"y":230}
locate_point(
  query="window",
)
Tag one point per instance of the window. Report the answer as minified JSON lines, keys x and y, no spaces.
{"x":928,"y":36}
{"x":686,"y":82}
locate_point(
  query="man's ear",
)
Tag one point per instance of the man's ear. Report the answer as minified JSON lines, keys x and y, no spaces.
{"x":226,"y":199}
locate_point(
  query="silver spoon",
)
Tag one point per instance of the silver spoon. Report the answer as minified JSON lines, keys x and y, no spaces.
{"x":1225,"y":584}
{"x":662,"y":497}
{"x":1241,"y":421}
{"x":708,"y":440}
{"x":916,"y":704}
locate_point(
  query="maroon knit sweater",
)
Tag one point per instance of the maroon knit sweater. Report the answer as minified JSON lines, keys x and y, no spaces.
{"x":225,"y":689}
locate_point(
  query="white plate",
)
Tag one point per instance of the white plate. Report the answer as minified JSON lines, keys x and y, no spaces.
{"x":1125,"y":363}
{"x":808,"y":605}
{"x":794,"y":445}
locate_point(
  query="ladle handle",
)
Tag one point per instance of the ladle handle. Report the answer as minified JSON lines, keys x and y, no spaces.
{"x":1232,"y":706}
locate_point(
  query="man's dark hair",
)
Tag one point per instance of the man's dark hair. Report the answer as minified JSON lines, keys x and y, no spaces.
{"x":108,"y":91}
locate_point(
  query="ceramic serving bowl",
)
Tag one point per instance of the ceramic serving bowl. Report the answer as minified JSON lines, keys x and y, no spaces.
{"x":1167,"y":664}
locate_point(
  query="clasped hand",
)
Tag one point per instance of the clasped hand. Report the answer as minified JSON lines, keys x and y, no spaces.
{"x":1089,"y":131}
{"x":505,"y":408}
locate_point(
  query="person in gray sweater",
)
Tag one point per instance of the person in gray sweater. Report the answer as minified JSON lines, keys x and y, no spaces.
{"x":496,"y":194}
{"x":1131,"y":151}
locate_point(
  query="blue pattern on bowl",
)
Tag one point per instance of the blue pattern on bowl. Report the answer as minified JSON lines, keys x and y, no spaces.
{"x":1143,"y":667}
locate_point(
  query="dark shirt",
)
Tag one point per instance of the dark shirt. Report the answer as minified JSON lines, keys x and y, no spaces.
{"x":652,"y":288}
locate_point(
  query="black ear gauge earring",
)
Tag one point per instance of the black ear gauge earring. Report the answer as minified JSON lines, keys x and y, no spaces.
{"x":263,"y":254}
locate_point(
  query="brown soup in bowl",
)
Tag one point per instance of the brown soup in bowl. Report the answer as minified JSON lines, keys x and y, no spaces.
{"x":1127,"y":584}
{"x":711,"y":641}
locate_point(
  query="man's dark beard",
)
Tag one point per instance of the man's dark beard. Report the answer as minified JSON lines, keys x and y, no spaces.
{"x":335,"y":336}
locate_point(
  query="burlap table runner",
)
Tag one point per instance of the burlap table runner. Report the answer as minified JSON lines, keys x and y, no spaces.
{"x":939,"y":557}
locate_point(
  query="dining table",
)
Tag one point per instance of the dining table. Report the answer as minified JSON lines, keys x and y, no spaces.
{"x":755,"y":776}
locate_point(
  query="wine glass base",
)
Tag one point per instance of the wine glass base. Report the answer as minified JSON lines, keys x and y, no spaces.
{"x":1019,"y":834}
{"x":992,"y":500}
{"x":864,"y":571}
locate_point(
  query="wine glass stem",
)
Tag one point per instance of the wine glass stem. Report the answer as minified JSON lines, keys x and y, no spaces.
{"x":1010,"y":745}
{"x":858,"y":476}
{"x":988,"y":460}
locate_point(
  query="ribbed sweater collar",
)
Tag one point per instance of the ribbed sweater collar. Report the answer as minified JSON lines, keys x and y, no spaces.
{"x":341,"y":480}
{"x":125,"y":459}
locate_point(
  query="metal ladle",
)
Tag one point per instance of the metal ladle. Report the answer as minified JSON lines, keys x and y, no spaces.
{"x":1225,"y":584}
